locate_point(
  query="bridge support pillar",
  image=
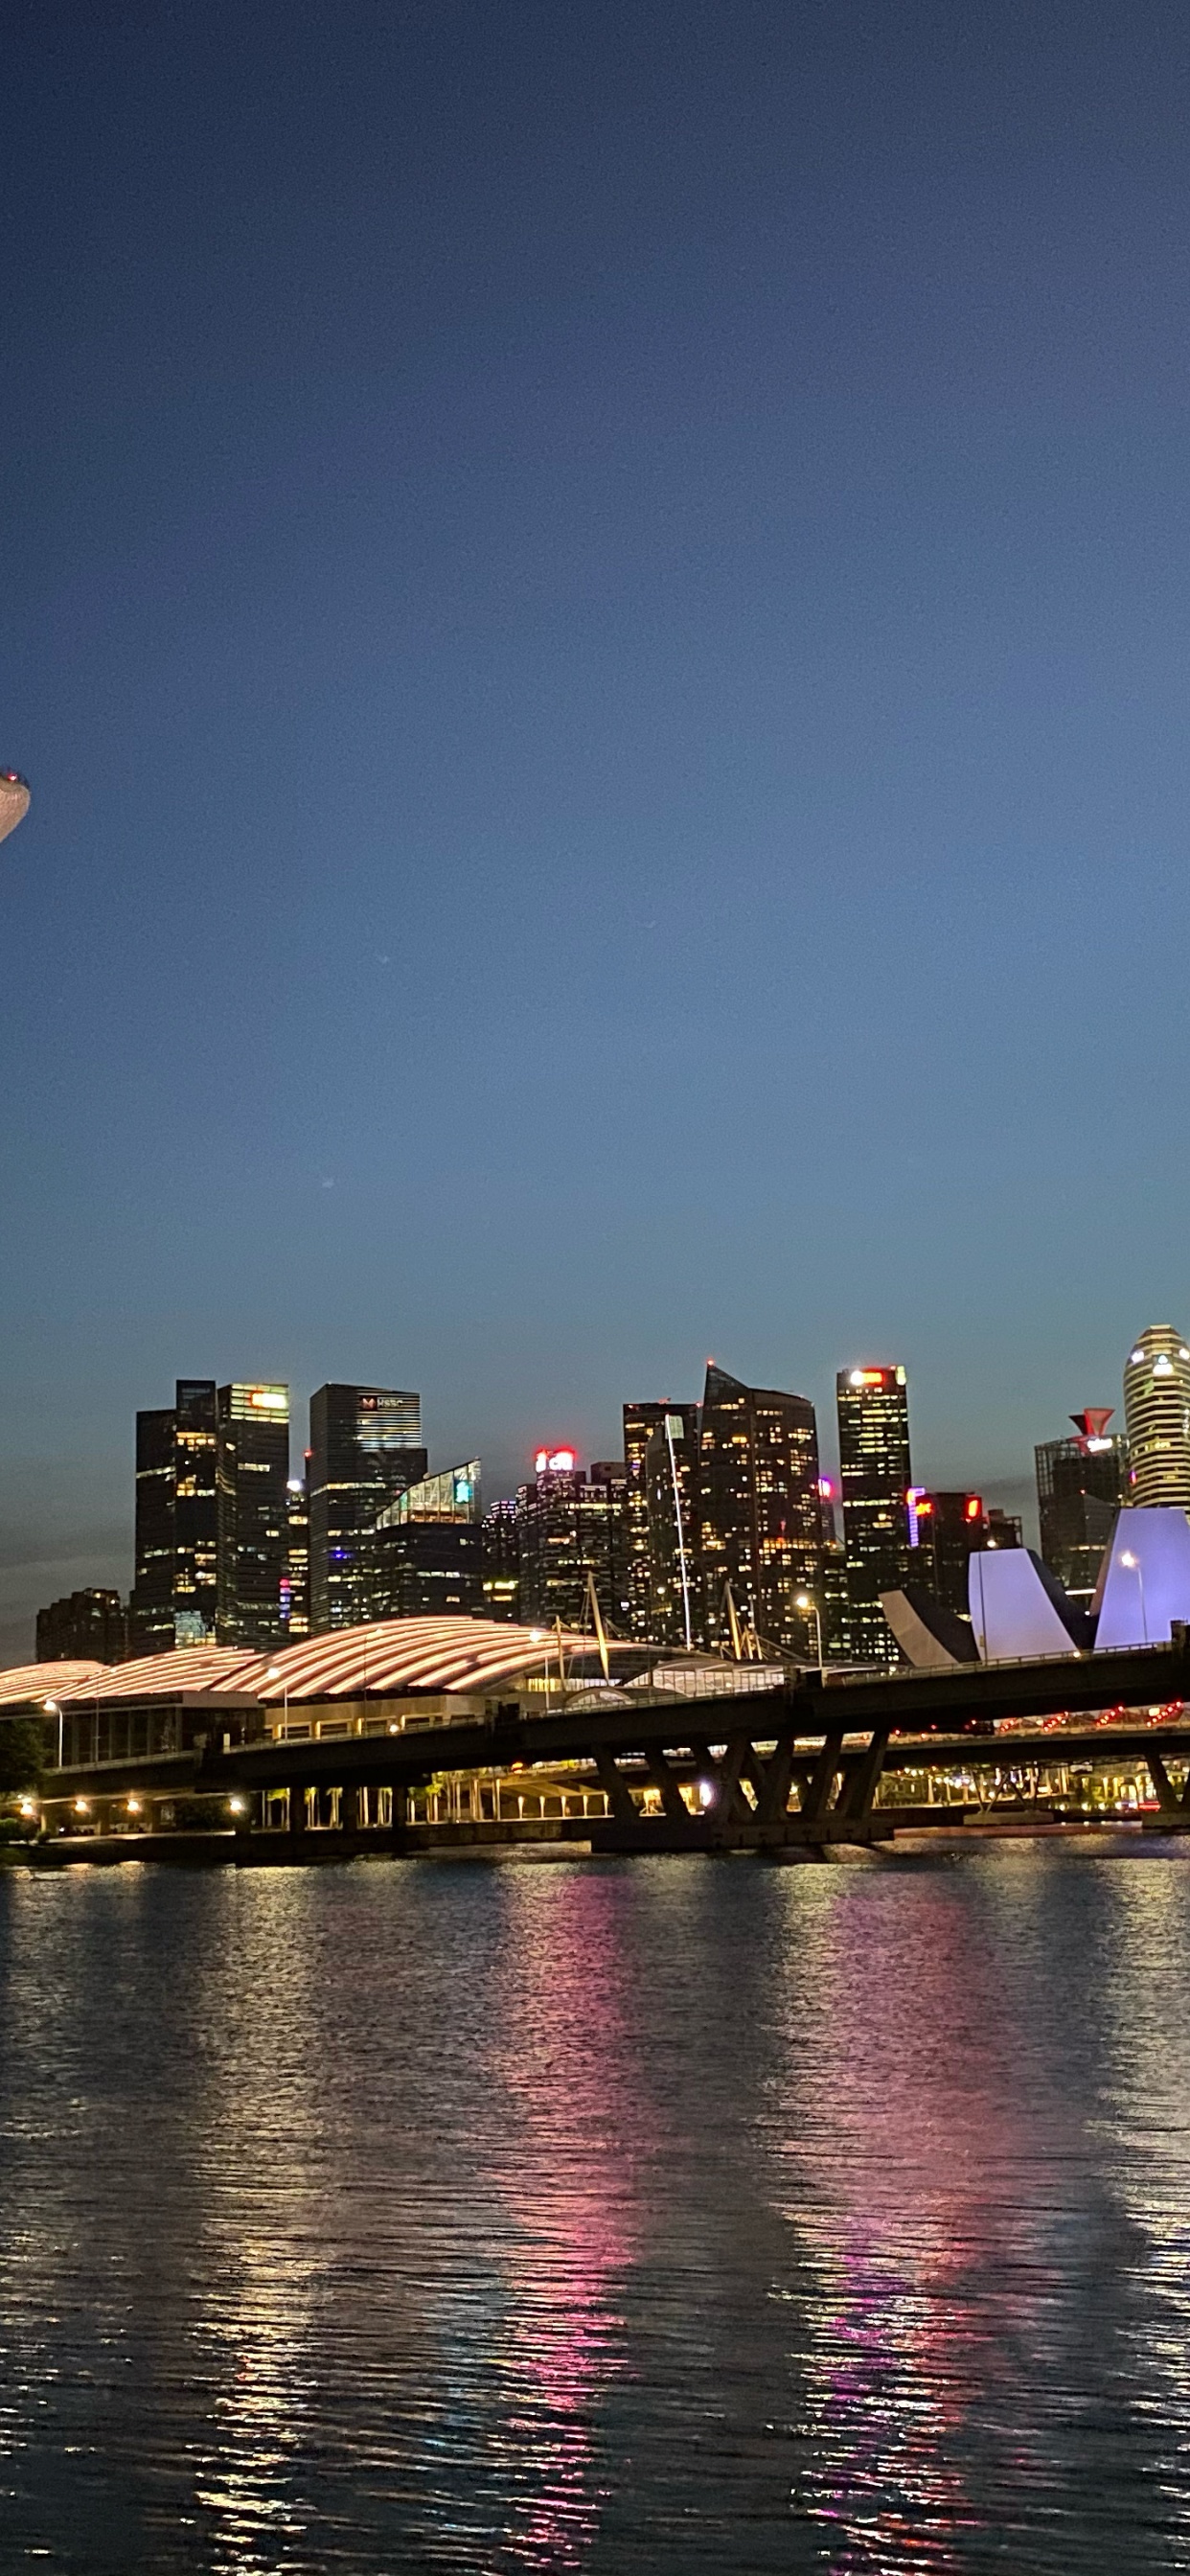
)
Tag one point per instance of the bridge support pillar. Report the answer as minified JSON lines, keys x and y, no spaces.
{"x":297,"y":1811}
{"x":614,"y":1785}
{"x":816,"y":1798}
{"x":1174,"y":1808}
{"x":855,"y":1805}
{"x":349,"y":1801}
{"x":676,"y":1810}
{"x":729,"y":1808}
{"x":772,"y":1781}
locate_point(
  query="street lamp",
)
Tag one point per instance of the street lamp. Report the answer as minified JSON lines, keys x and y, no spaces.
{"x":53,"y":1708}
{"x":806,"y":1601}
{"x":273,"y":1673}
{"x":1135,"y":1567}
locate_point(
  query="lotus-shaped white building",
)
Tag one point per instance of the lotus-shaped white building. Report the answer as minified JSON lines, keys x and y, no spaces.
{"x":1020,"y":1611}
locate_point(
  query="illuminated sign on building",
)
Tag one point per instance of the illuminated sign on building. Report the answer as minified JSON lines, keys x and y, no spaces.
{"x":554,"y":1462}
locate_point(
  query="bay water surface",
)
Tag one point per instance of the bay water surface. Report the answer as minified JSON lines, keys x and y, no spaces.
{"x":667,"y":2215}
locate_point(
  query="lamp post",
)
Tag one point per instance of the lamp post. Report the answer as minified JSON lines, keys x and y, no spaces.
{"x":53,"y":1708}
{"x":275,"y":1674}
{"x":806,"y":1601}
{"x":1135,"y":1567}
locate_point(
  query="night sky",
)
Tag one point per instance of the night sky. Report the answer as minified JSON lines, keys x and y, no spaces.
{"x":595,"y":602}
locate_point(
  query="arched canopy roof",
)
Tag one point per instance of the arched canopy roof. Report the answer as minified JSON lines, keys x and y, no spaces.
{"x":38,"y":1682}
{"x":397,"y":1655}
{"x":386,"y":1657}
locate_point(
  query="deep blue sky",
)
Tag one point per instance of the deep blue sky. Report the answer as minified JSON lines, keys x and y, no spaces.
{"x":595,"y":600}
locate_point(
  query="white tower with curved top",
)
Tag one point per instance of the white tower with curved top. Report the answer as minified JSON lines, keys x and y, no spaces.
{"x":14,"y":801}
{"x":1157,"y":1414}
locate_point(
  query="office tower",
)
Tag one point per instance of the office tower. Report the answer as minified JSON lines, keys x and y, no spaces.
{"x":572,"y":1528}
{"x":426,"y":1550}
{"x":177,"y":1538}
{"x":365,"y":1448}
{"x":640,"y":1423}
{"x":295,"y":1581}
{"x":1005,"y":1529}
{"x":944,"y":1532}
{"x":151,"y":1610}
{"x":196,"y":1512}
{"x":84,"y":1627}
{"x":1081,"y":1483}
{"x":830,"y":1601}
{"x":252,"y":1474}
{"x":501,"y":1531}
{"x":875,"y":1474}
{"x":1157,"y":1417}
{"x":661,"y":1522}
{"x":760,"y":1513}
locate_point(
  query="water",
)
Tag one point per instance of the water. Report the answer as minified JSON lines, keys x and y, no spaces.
{"x":670,"y":2215}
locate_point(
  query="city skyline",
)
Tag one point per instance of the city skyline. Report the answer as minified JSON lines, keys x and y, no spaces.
{"x":384,"y":1416}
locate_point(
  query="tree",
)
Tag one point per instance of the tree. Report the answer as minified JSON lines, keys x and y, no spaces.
{"x":22,"y":1754}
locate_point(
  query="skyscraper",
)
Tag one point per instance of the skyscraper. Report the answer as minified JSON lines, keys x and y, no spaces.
{"x":875,"y":1475}
{"x":426,"y":1550}
{"x":89,"y":1626}
{"x":210,"y":1486}
{"x":295,"y":1582}
{"x":944,"y":1531}
{"x":661,"y":1522}
{"x":177,"y":1538}
{"x":252,"y":1473}
{"x":365,"y":1448}
{"x":572,"y":1528}
{"x":760,"y":1513}
{"x":151,"y":1610}
{"x":502,"y":1560}
{"x":1157,"y":1417}
{"x":196,"y":1512}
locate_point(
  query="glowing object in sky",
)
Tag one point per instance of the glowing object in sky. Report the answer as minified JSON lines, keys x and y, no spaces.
{"x":14,"y":801}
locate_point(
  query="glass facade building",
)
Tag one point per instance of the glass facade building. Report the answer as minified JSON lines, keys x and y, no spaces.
{"x":875,"y":1475}
{"x":1081,"y":1483}
{"x":365,"y":1448}
{"x":944,"y":1531}
{"x":760,"y":1515}
{"x":177,"y":1522}
{"x":572,"y":1527}
{"x":661,"y":1522}
{"x":84,"y":1627}
{"x":252,"y":1476}
{"x":426,"y":1552}
{"x":295,"y":1582}
{"x":151,"y":1612}
{"x":501,"y":1529}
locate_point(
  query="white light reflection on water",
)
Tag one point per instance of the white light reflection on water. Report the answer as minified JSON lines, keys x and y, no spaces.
{"x":672,"y":2217}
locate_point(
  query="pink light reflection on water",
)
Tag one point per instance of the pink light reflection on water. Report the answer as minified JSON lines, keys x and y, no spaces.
{"x":567,"y":2186}
{"x":928,"y":2265}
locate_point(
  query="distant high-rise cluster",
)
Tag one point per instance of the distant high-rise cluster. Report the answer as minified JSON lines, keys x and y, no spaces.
{"x":715,"y":1529}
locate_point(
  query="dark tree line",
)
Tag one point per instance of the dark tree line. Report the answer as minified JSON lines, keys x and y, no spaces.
{"x":22,"y":1754}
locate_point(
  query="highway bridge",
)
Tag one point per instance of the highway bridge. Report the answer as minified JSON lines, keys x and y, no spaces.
{"x":700,"y":1761}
